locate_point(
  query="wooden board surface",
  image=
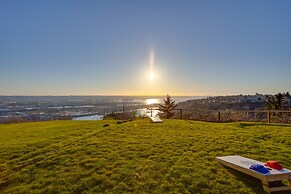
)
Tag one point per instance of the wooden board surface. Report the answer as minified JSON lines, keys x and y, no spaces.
{"x":156,"y":120}
{"x":242,"y":164}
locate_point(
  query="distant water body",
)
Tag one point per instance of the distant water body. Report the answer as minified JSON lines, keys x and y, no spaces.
{"x":91,"y":99}
{"x":80,"y":107}
{"x":142,"y":100}
{"x":88,"y":118}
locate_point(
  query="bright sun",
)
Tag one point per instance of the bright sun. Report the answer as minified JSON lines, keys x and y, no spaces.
{"x":152,"y":76}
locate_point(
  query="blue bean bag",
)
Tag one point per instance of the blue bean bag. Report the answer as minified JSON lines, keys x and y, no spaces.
{"x":259,"y":168}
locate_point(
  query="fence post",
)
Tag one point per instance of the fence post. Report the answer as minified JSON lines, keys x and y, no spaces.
{"x":180,"y":113}
{"x":219,"y":117}
{"x":151,"y":112}
{"x":268,"y":116}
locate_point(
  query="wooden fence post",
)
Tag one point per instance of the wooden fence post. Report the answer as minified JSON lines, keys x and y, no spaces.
{"x":180,"y":113}
{"x":268,"y":116}
{"x":219,"y":117}
{"x":151,"y":112}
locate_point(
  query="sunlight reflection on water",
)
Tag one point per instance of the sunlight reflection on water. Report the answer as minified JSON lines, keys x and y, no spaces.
{"x":147,"y":112}
{"x":151,"y":101}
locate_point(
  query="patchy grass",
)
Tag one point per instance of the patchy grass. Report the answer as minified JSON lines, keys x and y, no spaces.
{"x":136,"y":157}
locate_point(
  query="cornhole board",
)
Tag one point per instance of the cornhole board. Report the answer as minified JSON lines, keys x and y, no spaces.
{"x":242,"y":164}
{"x":156,"y":120}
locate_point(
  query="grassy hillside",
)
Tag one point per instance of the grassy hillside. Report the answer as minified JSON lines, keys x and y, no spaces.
{"x":139,"y":157}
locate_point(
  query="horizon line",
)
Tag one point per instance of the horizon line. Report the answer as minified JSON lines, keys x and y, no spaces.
{"x":131,"y":95}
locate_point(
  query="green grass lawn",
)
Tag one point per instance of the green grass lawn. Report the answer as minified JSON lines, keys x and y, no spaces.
{"x":136,"y":157}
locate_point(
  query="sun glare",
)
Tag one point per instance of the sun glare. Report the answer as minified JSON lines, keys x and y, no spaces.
{"x":152,"y":76}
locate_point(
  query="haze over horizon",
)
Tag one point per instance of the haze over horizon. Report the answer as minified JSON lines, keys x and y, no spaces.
{"x":181,"y":48}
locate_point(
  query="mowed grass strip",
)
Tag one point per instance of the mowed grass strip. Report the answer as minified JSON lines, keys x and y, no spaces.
{"x":135,"y":157}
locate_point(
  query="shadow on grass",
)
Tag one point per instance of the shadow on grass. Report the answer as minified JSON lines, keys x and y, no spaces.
{"x":251,"y":182}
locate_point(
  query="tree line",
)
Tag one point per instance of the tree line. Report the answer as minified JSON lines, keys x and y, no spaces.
{"x":280,"y":101}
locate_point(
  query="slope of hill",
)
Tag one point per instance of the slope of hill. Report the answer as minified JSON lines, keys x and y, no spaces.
{"x":138,"y":156}
{"x":222,"y":103}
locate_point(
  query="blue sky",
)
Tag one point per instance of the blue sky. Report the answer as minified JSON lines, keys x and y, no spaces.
{"x":66,"y":47}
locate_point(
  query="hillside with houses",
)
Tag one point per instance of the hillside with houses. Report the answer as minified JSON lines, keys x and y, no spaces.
{"x":235,"y":102}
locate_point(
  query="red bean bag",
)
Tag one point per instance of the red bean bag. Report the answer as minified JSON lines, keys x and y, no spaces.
{"x":274,"y":164}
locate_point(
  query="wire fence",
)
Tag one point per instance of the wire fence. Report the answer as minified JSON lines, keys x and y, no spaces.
{"x":268,"y":116}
